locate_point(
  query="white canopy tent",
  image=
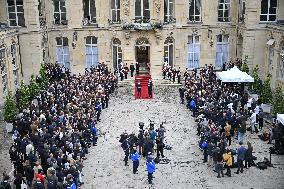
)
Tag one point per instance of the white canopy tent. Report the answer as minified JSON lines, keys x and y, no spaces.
{"x":280,"y":118}
{"x":234,"y":75}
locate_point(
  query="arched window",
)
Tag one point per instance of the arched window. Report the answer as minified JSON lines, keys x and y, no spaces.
{"x":116,"y":53}
{"x":268,"y":10}
{"x":194,"y":10}
{"x":92,"y":55}
{"x":193,"y":52}
{"x":281,"y":63}
{"x":62,"y":52}
{"x":224,"y":10}
{"x":169,"y":51}
{"x":222,"y":50}
{"x":168,"y":10}
{"x":142,"y":10}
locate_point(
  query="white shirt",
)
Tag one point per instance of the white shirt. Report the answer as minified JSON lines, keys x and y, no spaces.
{"x":253,"y":117}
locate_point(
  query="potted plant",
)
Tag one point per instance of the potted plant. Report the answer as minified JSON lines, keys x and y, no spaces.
{"x":10,"y":111}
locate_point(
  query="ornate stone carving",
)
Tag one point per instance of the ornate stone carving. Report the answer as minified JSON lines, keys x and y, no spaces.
{"x":126,"y":7}
{"x":157,"y":6}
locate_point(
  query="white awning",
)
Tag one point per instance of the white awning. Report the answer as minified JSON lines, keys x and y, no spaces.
{"x":270,"y":42}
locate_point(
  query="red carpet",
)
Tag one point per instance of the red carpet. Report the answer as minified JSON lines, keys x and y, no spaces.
{"x":144,"y":86}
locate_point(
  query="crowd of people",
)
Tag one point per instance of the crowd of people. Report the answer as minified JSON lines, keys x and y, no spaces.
{"x":171,"y":73}
{"x":52,"y":135}
{"x":221,"y":112}
{"x":144,"y":144}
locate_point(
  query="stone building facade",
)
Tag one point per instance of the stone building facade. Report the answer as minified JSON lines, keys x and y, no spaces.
{"x":184,"y":33}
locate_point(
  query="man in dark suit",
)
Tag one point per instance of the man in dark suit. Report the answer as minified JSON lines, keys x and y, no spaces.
{"x":132,"y":68}
{"x":150,"y":88}
{"x":137,"y":68}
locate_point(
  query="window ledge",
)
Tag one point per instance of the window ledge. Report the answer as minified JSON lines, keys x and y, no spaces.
{"x":90,"y":25}
{"x":194,"y":22}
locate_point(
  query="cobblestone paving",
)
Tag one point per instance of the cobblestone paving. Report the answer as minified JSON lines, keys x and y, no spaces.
{"x":104,"y":167}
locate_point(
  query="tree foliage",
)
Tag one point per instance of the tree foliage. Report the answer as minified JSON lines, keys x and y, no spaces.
{"x":256,"y":85}
{"x":10,"y":108}
{"x":278,"y":102}
{"x":24,"y":96}
{"x":245,"y":67}
{"x":266,"y":92}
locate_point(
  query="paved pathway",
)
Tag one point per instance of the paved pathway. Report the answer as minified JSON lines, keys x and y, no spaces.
{"x":104,"y":167}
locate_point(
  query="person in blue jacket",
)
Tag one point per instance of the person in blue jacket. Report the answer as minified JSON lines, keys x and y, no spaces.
{"x":94,"y":131}
{"x":135,"y":157}
{"x":151,"y":168}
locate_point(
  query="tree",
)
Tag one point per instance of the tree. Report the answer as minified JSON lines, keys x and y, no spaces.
{"x":34,"y":87}
{"x":278,"y":102}
{"x":24,"y":96}
{"x":245,"y":67}
{"x":10,"y":108}
{"x":256,"y":85}
{"x":266,"y":93}
{"x":44,"y":80}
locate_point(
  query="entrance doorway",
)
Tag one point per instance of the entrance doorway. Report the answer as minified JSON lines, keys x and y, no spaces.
{"x":142,"y":54}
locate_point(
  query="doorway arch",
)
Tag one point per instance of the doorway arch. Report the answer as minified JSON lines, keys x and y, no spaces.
{"x":142,"y":54}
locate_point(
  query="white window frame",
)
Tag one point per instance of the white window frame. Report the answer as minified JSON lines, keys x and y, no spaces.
{"x":60,"y":12}
{"x":65,"y":63}
{"x":116,"y":9}
{"x":194,"y":53}
{"x":16,"y":12}
{"x":281,"y":63}
{"x":225,"y":4}
{"x":169,"y":16}
{"x":193,"y":3}
{"x":4,"y":76}
{"x":222,"y":43}
{"x":142,"y":16}
{"x":167,"y":47}
{"x":90,"y":13}
{"x":116,"y":47}
{"x":92,"y":45}
{"x":268,"y":14}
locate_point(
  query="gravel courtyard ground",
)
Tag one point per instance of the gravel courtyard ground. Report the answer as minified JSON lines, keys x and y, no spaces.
{"x":104,"y":167}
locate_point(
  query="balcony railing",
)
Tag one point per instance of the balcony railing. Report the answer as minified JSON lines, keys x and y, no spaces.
{"x":142,"y":26}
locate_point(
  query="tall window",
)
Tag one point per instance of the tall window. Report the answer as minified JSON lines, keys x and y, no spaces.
{"x":142,"y":10}
{"x":60,"y":12}
{"x":270,"y":58}
{"x":91,"y":52}
{"x":3,"y":70}
{"x":89,"y":11}
{"x":169,"y":51}
{"x":15,"y":64}
{"x":268,"y":10}
{"x":116,"y":53}
{"x":16,"y":12}
{"x":281,"y":64}
{"x":62,"y":52}
{"x":115,"y":10}
{"x":242,"y":10}
{"x":168,"y":10}
{"x":194,"y":10}
{"x":222,"y":50}
{"x":193,"y":52}
{"x":224,"y":10}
